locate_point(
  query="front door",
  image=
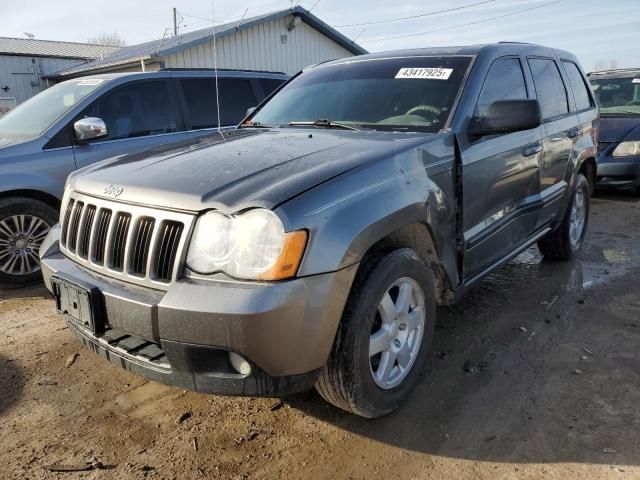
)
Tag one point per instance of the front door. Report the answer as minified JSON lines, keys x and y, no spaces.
{"x":501,"y":178}
{"x":138,"y":115}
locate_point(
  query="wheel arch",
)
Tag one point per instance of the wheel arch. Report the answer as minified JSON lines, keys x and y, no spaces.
{"x":32,"y":194}
{"x":418,"y":237}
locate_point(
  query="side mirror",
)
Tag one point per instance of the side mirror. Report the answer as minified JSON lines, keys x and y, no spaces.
{"x":250,"y":110}
{"x":89,"y":128}
{"x":506,"y":116}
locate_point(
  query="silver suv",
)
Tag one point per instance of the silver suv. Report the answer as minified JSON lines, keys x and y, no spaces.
{"x":312,"y":245}
{"x":81,"y":121}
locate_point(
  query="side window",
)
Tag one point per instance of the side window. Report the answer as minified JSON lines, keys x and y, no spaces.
{"x":505,"y":81}
{"x":236,"y":96}
{"x":270,"y":85}
{"x":578,"y":85}
{"x":135,"y":110}
{"x":550,"y":88}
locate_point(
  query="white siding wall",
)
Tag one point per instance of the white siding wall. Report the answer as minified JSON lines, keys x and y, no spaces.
{"x":261,"y":48}
{"x":23,"y":75}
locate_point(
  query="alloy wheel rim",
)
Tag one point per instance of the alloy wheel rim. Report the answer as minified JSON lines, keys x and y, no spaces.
{"x":20,"y":240}
{"x":397,"y":333}
{"x":578,"y":218}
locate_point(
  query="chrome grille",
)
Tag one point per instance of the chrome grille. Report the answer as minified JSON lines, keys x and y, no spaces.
{"x":137,"y":244}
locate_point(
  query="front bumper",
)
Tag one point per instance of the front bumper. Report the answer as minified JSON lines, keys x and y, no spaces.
{"x":618,"y":171}
{"x":183,"y":336}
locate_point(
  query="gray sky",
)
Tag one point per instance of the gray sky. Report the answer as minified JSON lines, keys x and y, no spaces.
{"x":595,"y":30}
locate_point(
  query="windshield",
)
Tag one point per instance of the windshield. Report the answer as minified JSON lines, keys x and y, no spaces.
{"x":405,"y":94}
{"x":31,"y":118}
{"x":617,"y":95}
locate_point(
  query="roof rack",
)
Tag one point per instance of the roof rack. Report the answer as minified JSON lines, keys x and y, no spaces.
{"x":180,"y":69}
{"x":614,"y":70}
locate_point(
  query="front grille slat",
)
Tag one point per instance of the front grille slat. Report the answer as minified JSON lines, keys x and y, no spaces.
{"x":141,"y":243}
{"x":134,"y":243}
{"x":65,"y":223}
{"x":168,"y":247}
{"x":119,"y":241}
{"x":100,"y":239}
{"x":85,"y":236}
{"x":74,"y":226}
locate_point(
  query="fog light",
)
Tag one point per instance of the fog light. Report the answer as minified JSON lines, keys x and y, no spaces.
{"x":239,"y":364}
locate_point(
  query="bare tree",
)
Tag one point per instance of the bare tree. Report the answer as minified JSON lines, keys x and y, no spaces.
{"x":112,"y":39}
{"x":605,"y":65}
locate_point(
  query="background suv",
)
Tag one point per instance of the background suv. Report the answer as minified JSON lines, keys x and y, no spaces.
{"x":84,"y":120}
{"x":618,"y":96}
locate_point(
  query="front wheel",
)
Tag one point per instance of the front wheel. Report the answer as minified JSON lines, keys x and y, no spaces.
{"x":565,"y":241}
{"x":384,"y":336}
{"x":24,"y":223}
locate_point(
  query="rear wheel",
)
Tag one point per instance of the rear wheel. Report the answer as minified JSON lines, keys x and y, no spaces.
{"x":384,"y":336}
{"x":564,"y":242}
{"x":24,"y":223}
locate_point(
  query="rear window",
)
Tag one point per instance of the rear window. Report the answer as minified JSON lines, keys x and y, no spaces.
{"x":236,"y":96}
{"x":550,"y":88}
{"x":580,"y":91}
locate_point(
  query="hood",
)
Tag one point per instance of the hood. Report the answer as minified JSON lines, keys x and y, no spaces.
{"x":617,"y":129}
{"x":5,"y":142}
{"x":239,"y":169}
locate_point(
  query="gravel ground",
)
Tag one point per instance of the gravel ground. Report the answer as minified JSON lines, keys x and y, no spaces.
{"x":534,"y":375}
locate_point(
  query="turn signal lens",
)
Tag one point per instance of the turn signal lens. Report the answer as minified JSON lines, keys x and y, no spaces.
{"x":289,"y":260}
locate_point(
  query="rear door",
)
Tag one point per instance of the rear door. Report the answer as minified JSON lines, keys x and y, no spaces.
{"x":236,"y":96}
{"x":559,"y":130}
{"x":500,"y":175}
{"x":138,"y":115}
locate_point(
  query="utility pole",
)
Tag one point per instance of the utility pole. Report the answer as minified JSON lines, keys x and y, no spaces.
{"x":175,"y":22}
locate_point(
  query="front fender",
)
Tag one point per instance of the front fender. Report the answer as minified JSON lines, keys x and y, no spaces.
{"x":25,"y":181}
{"x":352,"y":212}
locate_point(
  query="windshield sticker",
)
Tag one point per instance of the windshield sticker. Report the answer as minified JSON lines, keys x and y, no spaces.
{"x":636,"y":80}
{"x":425,"y":73}
{"x":90,"y":81}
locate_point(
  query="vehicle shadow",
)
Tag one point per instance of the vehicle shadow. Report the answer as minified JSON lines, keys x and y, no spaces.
{"x":21,"y":292}
{"x":546,"y":382}
{"x":12,"y":383}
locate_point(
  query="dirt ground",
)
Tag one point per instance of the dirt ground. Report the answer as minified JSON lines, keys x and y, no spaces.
{"x":553,"y":392}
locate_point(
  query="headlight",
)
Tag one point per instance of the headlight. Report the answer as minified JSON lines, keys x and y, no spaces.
{"x":627,"y":149}
{"x":252,"y":245}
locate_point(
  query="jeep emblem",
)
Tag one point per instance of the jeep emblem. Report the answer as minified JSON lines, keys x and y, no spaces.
{"x":113,"y":191}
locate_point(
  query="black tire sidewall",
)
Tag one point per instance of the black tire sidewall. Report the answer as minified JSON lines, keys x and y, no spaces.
{"x":581,"y":183}
{"x":25,"y":206}
{"x":369,"y":398}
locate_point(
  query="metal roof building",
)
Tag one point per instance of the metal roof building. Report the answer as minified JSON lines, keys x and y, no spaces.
{"x":286,"y":41}
{"x":25,"y":63}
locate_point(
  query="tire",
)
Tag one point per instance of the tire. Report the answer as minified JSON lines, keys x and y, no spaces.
{"x":24,"y":223}
{"x":347,"y":381}
{"x":562,"y":244}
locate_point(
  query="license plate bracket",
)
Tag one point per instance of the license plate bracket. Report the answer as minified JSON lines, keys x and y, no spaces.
{"x":80,"y":302}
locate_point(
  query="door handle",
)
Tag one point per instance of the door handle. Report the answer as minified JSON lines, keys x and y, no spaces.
{"x":574,"y":132}
{"x":532,"y":149}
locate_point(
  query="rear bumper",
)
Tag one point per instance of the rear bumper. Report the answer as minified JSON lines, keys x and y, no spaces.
{"x":183,"y":336}
{"x":618,"y":172}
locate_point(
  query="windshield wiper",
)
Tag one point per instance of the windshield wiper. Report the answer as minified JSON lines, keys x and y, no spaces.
{"x":254,"y":125}
{"x":324,"y":123}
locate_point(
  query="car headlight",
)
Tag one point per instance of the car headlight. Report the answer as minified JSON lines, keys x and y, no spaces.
{"x":252,"y":245}
{"x":627,"y":149}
